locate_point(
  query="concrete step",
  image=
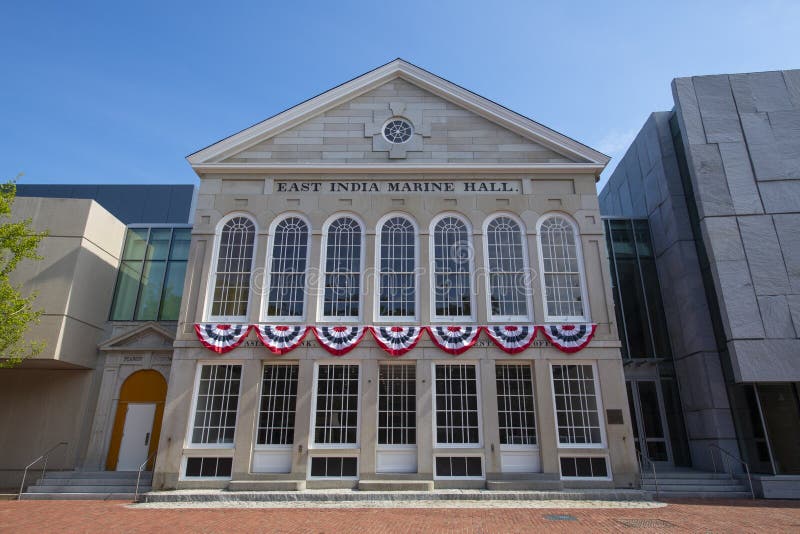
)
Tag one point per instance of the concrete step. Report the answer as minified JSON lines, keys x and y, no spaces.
{"x":103,"y":496}
{"x":686,"y":474}
{"x":339,"y":495}
{"x":521,"y":485}
{"x":395,"y":485}
{"x":695,"y":488}
{"x":693,"y":481}
{"x":703,"y":495}
{"x":53,"y":488}
{"x":267,"y":485}
{"x":99,"y":474}
{"x":93,"y":481}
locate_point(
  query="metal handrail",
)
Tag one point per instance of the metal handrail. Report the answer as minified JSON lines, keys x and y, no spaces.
{"x":44,"y":456}
{"x":725,"y":460}
{"x":139,"y":475}
{"x":642,"y":458}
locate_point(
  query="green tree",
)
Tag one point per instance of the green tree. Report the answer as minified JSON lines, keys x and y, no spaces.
{"x":18,"y":241}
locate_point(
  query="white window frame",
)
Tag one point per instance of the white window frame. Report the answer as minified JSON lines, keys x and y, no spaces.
{"x":457,"y":319}
{"x":599,"y":397}
{"x":204,"y":454}
{"x":268,"y":270}
{"x":338,"y":447}
{"x":323,"y":257}
{"x":188,"y":443}
{"x":565,"y":454}
{"x":516,"y":447}
{"x":456,"y":454}
{"x":525,"y":268}
{"x":378,"y":242}
{"x":586,"y":317}
{"x":334,"y":454}
{"x":395,"y":446}
{"x":456,"y":446}
{"x":266,"y":446}
{"x":212,"y":272}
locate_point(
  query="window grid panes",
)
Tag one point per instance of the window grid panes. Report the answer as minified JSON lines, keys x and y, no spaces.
{"x":208,"y":467}
{"x":277,"y":409}
{"x":150,"y":278}
{"x":287,"y":269}
{"x":397,"y":405}
{"x":452,"y":250}
{"x":217,"y":402}
{"x":457,"y":420}
{"x":397,"y":262}
{"x":561,"y":269}
{"x":336,"y":410}
{"x":342,"y":269}
{"x":515,"y":404}
{"x":507,"y":288}
{"x":334,"y":467}
{"x":577,"y":416}
{"x":234,"y":264}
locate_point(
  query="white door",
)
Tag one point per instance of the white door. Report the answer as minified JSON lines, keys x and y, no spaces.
{"x":136,"y":436}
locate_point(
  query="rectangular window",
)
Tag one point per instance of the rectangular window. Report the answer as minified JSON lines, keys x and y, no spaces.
{"x":342,"y":264}
{"x":459,"y":466}
{"x":208,"y":467}
{"x":277,"y":408}
{"x":396,"y":267}
{"x":584,"y":467}
{"x":577,"y":413}
{"x":397,"y":405}
{"x":216,"y":404}
{"x":334,"y":467}
{"x":336,"y":410}
{"x":456,"y":394}
{"x":515,"y":403}
{"x":150,"y":278}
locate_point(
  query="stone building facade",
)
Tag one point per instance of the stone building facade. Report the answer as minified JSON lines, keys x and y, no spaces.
{"x":718,"y":180}
{"x":401,"y":202}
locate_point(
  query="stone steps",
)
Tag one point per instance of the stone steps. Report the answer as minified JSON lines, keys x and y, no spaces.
{"x":395,"y":485}
{"x":694,"y":484}
{"x":88,"y":485}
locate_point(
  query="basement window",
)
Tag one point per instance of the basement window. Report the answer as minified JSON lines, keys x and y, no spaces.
{"x":207,"y":467}
{"x":334,"y":467}
{"x":459,"y":467}
{"x":584,"y":467}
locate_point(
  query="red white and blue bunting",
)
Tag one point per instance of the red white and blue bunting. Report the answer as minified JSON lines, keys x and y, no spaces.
{"x":396,"y":340}
{"x":454,"y":339}
{"x":339,"y":340}
{"x":280,"y":339}
{"x":569,"y":338}
{"x":221,"y":338}
{"x":512,"y":338}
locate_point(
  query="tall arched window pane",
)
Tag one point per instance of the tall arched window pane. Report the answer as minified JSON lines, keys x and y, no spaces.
{"x":342,"y":269}
{"x":506,"y":266}
{"x":397,"y":293}
{"x":452,"y":249}
{"x":287,"y":269}
{"x":233,"y":268}
{"x":561,"y":270}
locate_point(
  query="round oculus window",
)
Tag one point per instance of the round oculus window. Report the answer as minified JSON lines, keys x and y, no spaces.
{"x":397,"y":131}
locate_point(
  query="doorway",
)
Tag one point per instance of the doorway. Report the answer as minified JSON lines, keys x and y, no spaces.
{"x":650,"y":433}
{"x":137,"y":424}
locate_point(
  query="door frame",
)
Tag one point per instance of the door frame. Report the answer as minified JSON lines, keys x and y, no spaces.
{"x":149,"y":436}
{"x":637,"y":413}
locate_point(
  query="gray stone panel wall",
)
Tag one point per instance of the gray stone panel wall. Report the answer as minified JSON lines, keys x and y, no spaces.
{"x":742,"y":139}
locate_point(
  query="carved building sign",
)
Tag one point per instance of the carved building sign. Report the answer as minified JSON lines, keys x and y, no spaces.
{"x":381,"y":186}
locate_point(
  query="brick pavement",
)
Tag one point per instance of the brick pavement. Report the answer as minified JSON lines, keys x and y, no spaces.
{"x":67,"y":517}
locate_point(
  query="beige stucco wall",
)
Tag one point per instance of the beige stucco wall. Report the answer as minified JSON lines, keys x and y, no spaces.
{"x":75,"y":278}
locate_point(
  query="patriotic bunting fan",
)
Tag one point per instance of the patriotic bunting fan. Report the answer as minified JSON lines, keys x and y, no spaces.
{"x":396,"y":340}
{"x":512,"y":338}
{"x":339,"y":340}
{"x":569,"y":337}
{"x":280,"y":339}
{"x":454,"y":339}
{"x":221,"y":338}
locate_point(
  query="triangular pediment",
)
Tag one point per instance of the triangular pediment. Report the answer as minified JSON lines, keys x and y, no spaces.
{"x":146,"y":337}
{"x":344,"y":125}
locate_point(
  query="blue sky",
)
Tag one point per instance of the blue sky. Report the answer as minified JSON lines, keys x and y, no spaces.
{"x":121,"y":92}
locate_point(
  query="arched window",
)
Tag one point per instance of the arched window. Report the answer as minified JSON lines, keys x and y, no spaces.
{"x":397,"y":262}
{"x":562,"y":270}
{"x":506,"y":268}
{"x":230,"y":279}
{"x":286,"y":269}
{"x":342,"y":269}
{"x":452,"y":257}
